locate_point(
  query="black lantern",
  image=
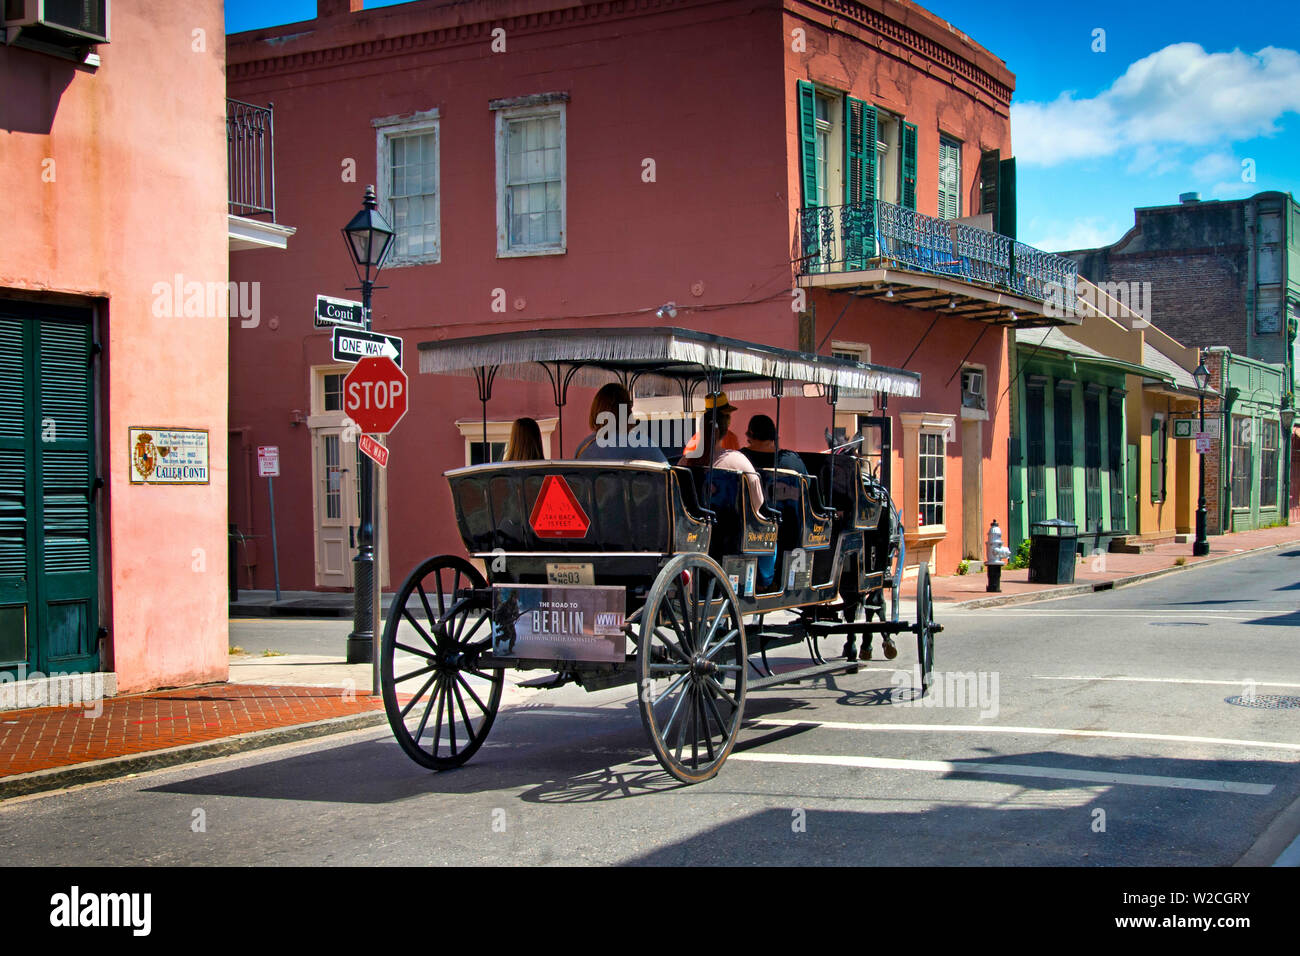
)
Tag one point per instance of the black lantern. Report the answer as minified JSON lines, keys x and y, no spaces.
{"x":1202,"y":376}
{"x":369,"y":237}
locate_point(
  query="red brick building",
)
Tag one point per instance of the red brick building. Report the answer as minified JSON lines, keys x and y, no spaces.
{"x":785,"y":171}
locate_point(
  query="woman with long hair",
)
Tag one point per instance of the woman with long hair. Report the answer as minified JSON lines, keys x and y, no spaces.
{"x":612,"y":424}
{"x":525,"y":441}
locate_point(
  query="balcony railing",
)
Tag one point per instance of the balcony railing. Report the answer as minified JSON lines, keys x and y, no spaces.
{"x":250,"y":159}
{"x":872,"y":235}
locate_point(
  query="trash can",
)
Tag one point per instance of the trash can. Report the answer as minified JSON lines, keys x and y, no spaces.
{"x":1052,"y":546}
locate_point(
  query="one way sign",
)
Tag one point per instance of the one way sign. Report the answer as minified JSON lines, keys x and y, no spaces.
{"x":352,"y":345}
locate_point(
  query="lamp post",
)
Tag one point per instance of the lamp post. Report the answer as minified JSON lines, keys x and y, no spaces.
{"x":1201,"y":546}
{"x":368,"y":237}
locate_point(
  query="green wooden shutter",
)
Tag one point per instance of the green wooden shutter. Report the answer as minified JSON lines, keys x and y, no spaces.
{"x":65,"y":475}
{"x":949,"y":178}
{"x":858,"y":216}
{"x":909,"y":165}
{"x":1006,"y":222}
{"x":990,"y":166}
{"x":16,"y":555}
{"x":808,"y":226}
{"x":808,"y":142}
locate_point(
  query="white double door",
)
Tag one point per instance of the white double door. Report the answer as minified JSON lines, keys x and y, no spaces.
{"x":337,"y":506}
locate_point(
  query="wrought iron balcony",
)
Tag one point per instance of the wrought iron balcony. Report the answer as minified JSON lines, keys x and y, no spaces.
{"x":877,"y":235}
{"x":250,"y":159}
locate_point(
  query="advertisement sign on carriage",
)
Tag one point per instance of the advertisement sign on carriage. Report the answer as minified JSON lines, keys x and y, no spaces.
{"x":541,"y":622}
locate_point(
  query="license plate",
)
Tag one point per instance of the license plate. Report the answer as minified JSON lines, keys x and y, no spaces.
{"x":569,"y":574}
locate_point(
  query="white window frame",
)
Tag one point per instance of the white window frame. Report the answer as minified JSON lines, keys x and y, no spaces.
{"x":889,"y":158}
{"x":914,"y":425}
{"x":504,"y":114}
{"x":852,"y":406}
{"x":387,"y":128}
{"x":982,"y":412}
{"x":471,"y":430}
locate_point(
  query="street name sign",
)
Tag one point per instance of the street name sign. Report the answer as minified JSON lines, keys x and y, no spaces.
{"x":373,"y":450}
{"x":332,"y":311}
{"x":375,"y":395}
{"x":352,"y":345}
{"x":268,"y":461}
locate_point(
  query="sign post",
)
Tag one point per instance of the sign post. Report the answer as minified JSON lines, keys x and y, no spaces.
{"x":268,"y":467}
{"x":375,"y":398}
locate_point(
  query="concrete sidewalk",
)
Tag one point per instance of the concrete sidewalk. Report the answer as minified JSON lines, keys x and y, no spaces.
{"x":1103,"y":570}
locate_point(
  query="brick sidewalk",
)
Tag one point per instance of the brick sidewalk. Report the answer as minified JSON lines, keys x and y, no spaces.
{"x":1107,"y":567}
{"x":45,"y":738}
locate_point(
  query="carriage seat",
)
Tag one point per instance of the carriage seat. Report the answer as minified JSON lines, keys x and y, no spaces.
{"x":805,"y":523}
{"x":739,"y":528}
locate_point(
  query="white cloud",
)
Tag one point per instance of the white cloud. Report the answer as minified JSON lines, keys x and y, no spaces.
{"x":1216,"y":166}
{"x":1232,"y":190}
{"x":1178,"y":96}
{"x":1061,"y":235}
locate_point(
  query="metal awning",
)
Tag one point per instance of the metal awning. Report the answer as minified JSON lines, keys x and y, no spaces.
{"x":658,"y":361}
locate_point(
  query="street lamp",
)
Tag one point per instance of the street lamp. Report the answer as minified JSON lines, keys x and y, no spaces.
{"x":1201,"y":546}
{"x":369,"y":238}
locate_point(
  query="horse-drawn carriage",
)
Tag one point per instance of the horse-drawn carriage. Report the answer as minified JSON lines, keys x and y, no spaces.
{"x":632,"y":571}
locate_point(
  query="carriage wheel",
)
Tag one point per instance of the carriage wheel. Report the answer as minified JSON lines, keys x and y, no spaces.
{"x":691,"y":662}
{"x":440,"y":703}
{"x":924,"y":626}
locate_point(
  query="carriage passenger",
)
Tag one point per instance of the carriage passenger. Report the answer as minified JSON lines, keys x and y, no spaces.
{"x":722,"y":457}
{"x":760,"y":447}
{"x":613,"y":436}
{"x":525,"y":441}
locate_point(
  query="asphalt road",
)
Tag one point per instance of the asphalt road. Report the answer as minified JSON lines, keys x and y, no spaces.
{"x":1104,"y":737}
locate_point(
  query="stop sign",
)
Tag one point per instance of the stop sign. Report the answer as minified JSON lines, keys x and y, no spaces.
{"x":374,"y":394}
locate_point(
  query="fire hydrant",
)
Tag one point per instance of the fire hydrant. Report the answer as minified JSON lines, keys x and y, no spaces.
{"x":995,"y":555}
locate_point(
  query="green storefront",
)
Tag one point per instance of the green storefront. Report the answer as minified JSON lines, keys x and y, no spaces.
{"x":1251,"y":458}
{"x":1069,"y":453}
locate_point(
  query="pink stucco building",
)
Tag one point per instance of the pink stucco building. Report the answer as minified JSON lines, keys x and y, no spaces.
{"x":113,"y":346}
{"x":832,"y":176}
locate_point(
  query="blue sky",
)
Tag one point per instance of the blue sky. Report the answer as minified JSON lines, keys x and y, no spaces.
{"x":1179,"y":97}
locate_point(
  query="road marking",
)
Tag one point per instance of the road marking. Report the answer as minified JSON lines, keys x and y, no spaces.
{"x":1013,"y":770}
{"x":1038,"y":731}
{"x":1175,"y":680}
{"x":1225,"y":615}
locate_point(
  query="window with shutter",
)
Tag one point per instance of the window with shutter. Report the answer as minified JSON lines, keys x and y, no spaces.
{"x":909,"y":165}
{"x":949,"y":178}
{"x":858,"y":218}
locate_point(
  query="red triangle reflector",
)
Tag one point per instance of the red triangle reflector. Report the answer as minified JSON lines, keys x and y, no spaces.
{"x":556,"y":512}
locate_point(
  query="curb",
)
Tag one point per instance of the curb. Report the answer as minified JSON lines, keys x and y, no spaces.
{"x":1070,"y":590}
{"x":1273,"y":844}
{"x":93,"y":771}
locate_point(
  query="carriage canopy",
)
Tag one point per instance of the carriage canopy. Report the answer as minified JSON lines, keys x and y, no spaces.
{"x":658,"y":361}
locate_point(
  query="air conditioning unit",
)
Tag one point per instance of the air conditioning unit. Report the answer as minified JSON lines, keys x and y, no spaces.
{"x":67,"y":23}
